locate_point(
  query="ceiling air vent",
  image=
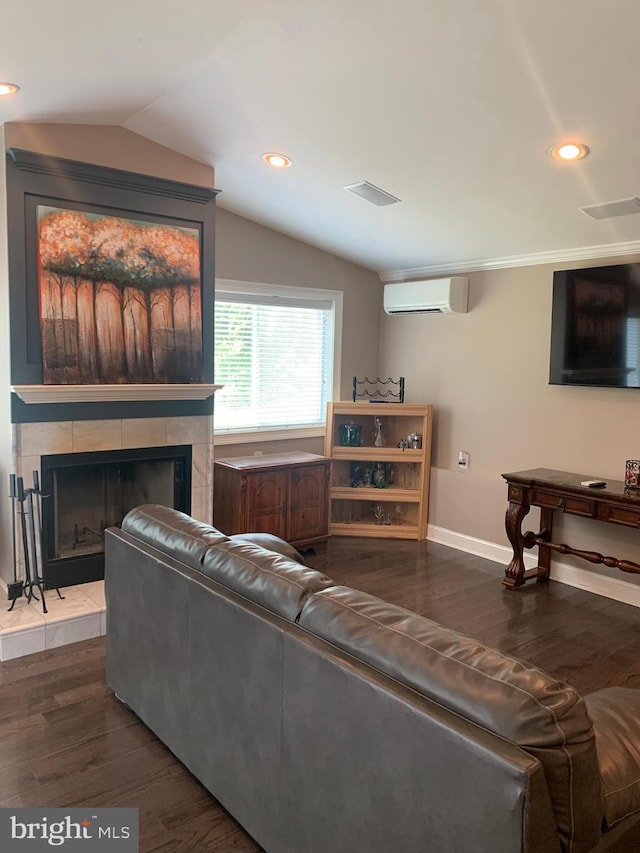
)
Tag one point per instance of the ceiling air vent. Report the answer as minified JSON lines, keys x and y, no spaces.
{"x":370,"y":193}
{"x":612,"y":208}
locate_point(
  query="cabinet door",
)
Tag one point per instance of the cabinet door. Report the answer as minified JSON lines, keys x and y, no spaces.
{"x":267,"y":503}
{"x":308,"y":508}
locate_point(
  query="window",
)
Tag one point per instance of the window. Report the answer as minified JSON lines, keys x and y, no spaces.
{"x":276,"y":356}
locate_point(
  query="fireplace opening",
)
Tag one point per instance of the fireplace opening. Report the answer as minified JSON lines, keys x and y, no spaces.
{"x":84,"y":493}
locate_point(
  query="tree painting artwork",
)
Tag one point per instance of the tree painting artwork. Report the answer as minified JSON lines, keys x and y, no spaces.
{"x":119,"y":299}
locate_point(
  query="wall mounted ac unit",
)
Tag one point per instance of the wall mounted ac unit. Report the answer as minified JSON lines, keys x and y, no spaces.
{"x":437,"y":296}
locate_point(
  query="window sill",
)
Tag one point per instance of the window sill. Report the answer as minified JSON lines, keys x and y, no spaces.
{"x":220,"y":438}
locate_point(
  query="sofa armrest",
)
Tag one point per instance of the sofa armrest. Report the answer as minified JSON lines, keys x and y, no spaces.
{"x":271,"y":543}
{"x":615,"y":712}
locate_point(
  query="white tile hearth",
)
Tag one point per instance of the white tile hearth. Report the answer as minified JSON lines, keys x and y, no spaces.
{"x":79,"y":616}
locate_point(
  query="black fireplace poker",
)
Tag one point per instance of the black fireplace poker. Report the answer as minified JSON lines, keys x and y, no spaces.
{"x":14,"y":588}
{"x":28,"y":512}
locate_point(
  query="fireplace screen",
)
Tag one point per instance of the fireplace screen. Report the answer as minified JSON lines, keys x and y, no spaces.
{"x":84,"y":493}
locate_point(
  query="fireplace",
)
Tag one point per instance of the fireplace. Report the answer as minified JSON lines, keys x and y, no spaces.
{"x":84,"y":493}
{"x":126,"y":331}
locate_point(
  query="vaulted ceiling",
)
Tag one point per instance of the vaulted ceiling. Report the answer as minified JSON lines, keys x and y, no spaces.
{"x":450,"y":106}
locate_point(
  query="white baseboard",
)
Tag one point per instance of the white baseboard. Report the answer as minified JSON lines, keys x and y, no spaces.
{"x":614,"y":588}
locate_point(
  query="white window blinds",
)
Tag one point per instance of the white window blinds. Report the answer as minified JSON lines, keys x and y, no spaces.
{"x":274,"y":356}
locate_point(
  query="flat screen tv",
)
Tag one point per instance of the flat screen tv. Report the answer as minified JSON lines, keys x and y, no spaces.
{"x":595,"y":327}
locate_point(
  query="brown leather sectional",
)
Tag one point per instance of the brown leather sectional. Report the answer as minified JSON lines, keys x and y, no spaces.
{"x":328,"y":721}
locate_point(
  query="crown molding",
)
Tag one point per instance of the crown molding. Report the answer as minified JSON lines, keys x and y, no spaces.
{"x":560,"y":256}
{"x":74,"y":170}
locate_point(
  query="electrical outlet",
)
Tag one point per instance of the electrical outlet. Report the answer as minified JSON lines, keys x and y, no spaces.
{"x":463,"y":460}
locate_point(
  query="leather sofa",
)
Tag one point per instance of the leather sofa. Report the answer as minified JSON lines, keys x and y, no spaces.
{"x":328,"y":721}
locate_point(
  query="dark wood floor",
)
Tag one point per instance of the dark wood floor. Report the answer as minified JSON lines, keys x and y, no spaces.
{"x":66,"y":741}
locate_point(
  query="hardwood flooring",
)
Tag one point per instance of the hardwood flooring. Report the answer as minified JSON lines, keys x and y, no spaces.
{"x":66,"y":741}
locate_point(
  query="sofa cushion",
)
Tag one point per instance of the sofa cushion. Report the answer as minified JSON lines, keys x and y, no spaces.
{"x":173,"y":532}
{"x":271,"y":580}
{"x":271,"y":543}
{"x":545,"y":717}
{"x":615,"y":713}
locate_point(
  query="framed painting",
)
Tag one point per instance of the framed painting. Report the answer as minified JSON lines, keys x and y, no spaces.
{"x":111,"y":279}
{"x":120,"y":299}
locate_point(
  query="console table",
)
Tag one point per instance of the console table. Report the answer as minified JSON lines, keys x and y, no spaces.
{"x":557,"y":491}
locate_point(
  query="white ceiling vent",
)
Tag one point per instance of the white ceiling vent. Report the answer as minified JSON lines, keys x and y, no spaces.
{"x":370,"y":193}
{"x":612,"y":208}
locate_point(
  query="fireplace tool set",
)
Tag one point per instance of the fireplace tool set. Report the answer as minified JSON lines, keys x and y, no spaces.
{"x":26,"y":513}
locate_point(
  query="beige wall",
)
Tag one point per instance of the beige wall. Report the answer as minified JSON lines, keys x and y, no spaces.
{"x":246,"y":251}
{"x":486,"y":372}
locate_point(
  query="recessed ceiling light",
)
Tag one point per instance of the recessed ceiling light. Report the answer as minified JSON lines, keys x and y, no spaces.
{"x":569,"y":151}
{"x":276,"y":161}
{"x":8,"y":89}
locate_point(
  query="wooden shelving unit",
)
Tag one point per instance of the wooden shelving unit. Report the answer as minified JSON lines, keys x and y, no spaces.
{"x":353,"y":499}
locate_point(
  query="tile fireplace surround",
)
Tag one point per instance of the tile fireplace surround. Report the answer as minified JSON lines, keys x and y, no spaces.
{"x":81,"y":614}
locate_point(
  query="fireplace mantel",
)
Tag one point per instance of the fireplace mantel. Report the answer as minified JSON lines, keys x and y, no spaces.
{"x":112,"y":393}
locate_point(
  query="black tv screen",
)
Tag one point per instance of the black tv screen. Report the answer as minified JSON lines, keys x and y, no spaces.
{"x":595,"y":327}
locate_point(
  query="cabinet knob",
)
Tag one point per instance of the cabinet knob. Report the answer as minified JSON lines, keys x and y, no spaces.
{"x":562,"y":505}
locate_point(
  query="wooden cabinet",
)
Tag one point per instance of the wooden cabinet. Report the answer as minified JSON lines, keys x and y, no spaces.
{"x":281,"y":493}
{"x":266,"y":502}
{"x":379,"y":491}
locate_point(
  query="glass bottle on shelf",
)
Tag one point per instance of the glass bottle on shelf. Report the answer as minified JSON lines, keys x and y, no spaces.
{"x":378,"y":435}
{"x":380,"y":475}
{"x":401,"y":477}
{"x":412,"y":476}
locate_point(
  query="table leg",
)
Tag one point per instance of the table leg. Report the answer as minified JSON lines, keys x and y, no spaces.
{"x":514,"y":573}
{"x":544,"y":554}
